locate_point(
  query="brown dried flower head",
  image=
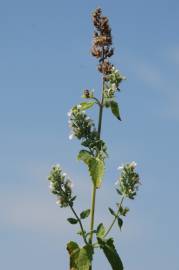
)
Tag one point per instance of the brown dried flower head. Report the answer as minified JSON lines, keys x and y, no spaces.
{"x":102,"y":41}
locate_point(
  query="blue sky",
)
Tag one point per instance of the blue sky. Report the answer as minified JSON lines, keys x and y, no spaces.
{"x":44,"y":66}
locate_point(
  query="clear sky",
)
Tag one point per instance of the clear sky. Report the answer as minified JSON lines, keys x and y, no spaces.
{"x":44,"y":66}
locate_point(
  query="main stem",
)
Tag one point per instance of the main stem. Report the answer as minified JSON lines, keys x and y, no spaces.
{"x":94,"y":187}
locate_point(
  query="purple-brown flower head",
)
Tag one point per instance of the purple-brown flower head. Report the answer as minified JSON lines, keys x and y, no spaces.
{"x":102,"y":41}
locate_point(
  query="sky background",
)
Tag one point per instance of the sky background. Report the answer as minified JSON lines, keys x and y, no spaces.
{"x":44,"y":66}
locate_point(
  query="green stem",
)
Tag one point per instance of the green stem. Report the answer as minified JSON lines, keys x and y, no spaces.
{"x":114,"y":220}
{"x":92,"y":213}
{"x":80,"y":223}
{"x":94,"y":187}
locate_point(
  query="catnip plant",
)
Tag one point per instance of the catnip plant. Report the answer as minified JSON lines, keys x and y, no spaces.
{"x":93,"y":154}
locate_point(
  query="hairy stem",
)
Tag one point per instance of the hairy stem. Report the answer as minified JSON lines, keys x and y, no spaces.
{"x":80,"y":223}
{"x":115,"y":218}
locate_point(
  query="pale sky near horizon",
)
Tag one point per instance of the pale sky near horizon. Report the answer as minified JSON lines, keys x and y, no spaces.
{"x":44,"y":66}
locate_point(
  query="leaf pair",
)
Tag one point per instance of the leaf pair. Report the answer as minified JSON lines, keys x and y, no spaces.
{"x":83,"y":215}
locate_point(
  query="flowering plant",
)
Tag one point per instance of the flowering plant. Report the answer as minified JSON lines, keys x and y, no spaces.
{"x":94,"y":154}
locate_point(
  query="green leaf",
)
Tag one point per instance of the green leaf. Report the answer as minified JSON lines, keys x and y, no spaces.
{"x":118,"y":191}
{"x":115,"y":109}
{"x":85,"y":156}
{"x":123,"y":211}
{"x":73,"y":250}
{"x":100,"y":230}
{"x":85,"y":214}
{"x":112,"y":211}
{"x":80,"y":258}
{"x":96,"y":169}
{"x":111,"y":254}
{"x":72,"y":220}
{"x":95,"y":166}
{"x":85,"y":258}
{"x":86,"y":105}
{"x":120,"y":222}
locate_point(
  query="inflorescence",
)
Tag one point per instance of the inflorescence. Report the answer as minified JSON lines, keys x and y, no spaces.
{"x":83,"y":128}
{"x":61,"y":186}
{"x":128,"y":181}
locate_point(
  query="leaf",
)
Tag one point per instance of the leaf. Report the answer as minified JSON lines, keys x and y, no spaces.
{"x":86,"y":105}
{"x":111,"y":254}
{"x":72,"y":220}
{"x":85,"y":156}
{"x":118,"y":191}
{"x":95,"y":166}
{"x":112,"y":211}
{"x":85,"y":258}
{"x":96,"y":169}
{"x":120,"y":222}
{"x":85,"y":214}
{"x":80,"y":258}
{"x":123,"y":211}
{"x":115,"y":109}
{"x":73,"y":250}
{"x":100,"y":230}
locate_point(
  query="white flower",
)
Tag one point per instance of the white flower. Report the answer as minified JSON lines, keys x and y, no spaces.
{"x":51,"y":186}
{"x":70,"y":184}
{"x":116,"y":183}
{"x":121,"y":167}
{"x":69,"y":113}
{"x":133,"y":164}
{"x":113,"y":86}
{"x":64,"y":174}
{"x":71,"y":136}
{"x":79,"y":106}
{"x":87,"y":118}
{"x":58,"y":202}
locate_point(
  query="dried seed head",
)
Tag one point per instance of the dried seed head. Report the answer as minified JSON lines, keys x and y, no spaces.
{"x":102,"y":41}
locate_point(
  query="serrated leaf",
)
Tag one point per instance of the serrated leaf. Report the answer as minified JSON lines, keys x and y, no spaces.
{"x":85,"y":156}
{"x":80,"y":258}
{"x":115,"y":109}
{"x":85,"y":258}
{"x":86,"y":105}
{"x":72,"y":220}
{"x":96,"y":169}
{"x":120,"y":222}
{"x":111,"y":254}
{"x":100,"y":230}
{"x":85,"y":214}
{"x":73,"y":250}
{"x":112,"y":211}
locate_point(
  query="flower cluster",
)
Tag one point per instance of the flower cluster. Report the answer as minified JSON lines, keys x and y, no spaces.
{"x":112,"y":82}
{"x":102,"y":41}
{"x":84,"y":129}
{"x":129,"y":180}
{"x":61,"y":186}
{"x":80,"y":123}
